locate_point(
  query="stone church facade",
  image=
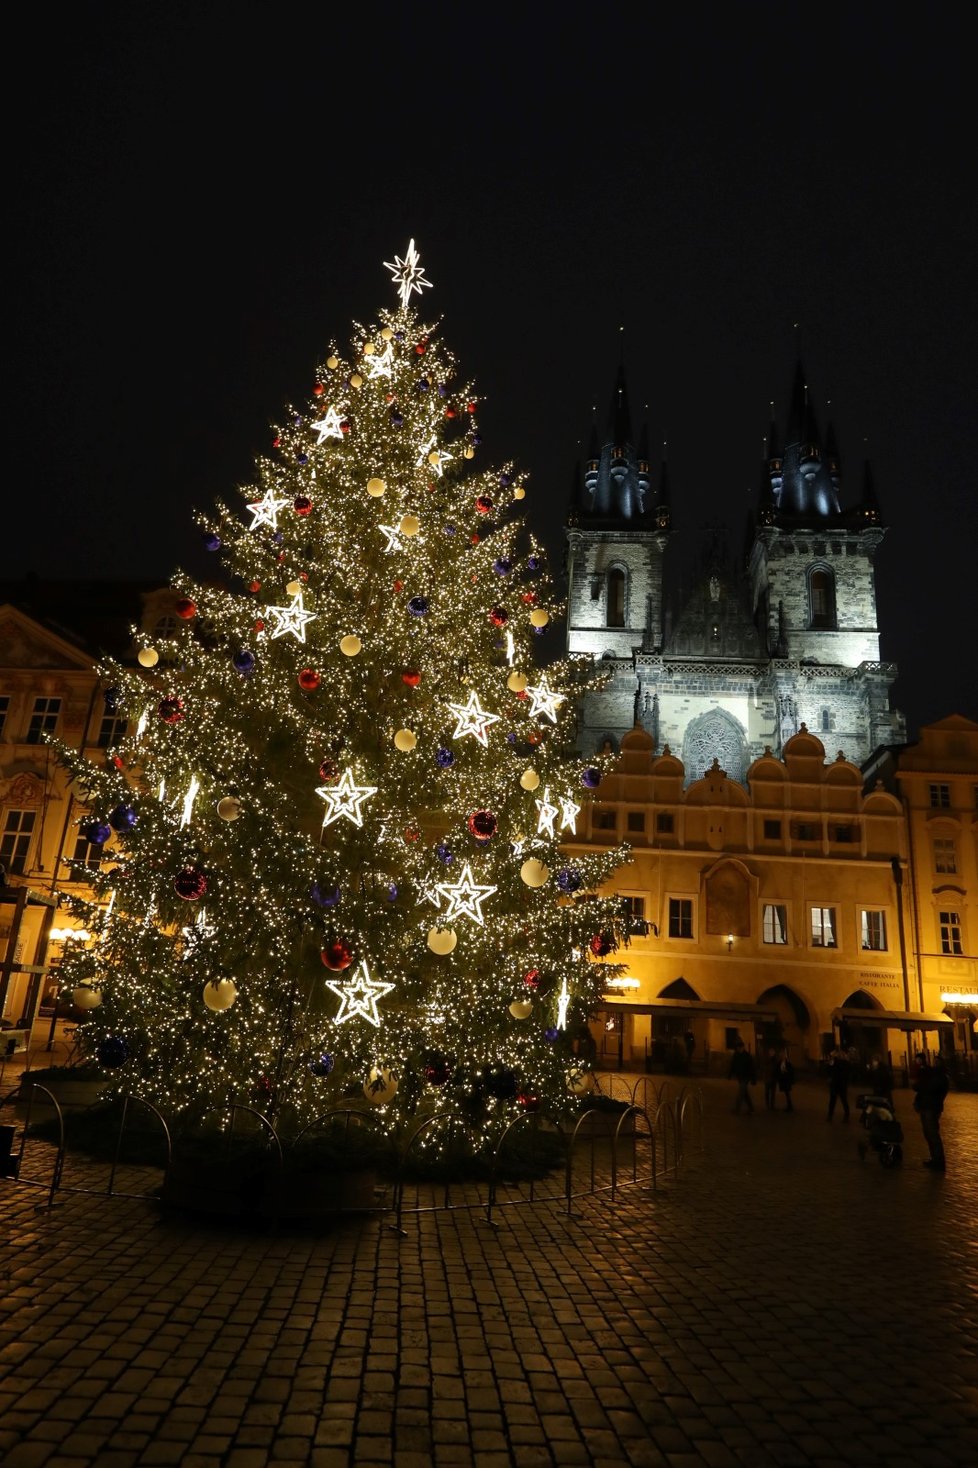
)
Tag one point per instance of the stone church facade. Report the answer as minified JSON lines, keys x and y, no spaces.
{"x":745,"y":657}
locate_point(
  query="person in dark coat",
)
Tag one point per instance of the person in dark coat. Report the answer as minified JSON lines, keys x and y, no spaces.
{"x":742,"y":1071}
{"x":931,"y":1087}
{"x":786,"y":1078}
{"x":771,"y":1079}
{"x":838,"y":1082}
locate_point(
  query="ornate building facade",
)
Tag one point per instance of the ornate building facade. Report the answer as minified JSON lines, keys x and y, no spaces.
{"x":746,"y":657}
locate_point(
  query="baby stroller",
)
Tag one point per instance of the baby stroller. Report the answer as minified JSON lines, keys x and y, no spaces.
{"x":885,"y":1134}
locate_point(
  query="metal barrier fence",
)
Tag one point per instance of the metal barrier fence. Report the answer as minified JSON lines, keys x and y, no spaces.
{"x":600,"y":1151}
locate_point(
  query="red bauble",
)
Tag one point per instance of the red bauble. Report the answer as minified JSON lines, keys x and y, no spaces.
{"x":302,"y":505}
{"x":483,"y":504}
{"x":522,"y":695}
{"x":482,"y":824}
{"x":336,"y":955}
{"x":499,"y":616}
{"x":411,"y":676}
{"x":534,"y":738}
{"x":449,"y":412}
{"x":118,"y":762}
{"x":398,"y":585}
{"x":318,"y":390}
{"x":329,"y":771}
{"x":259,"y":625}
{"x":411,"y":834}
{"x":255,"y":586}
{"x":344,"y":427}
{"x":529,"y":1100}
{"x":474,"y":537}
{"x":276,"y":442}
{"x":529,"y":597}
{"x":170,"y":709}
{"x":470,"y":407}
{"x":186,"y":608}
{"x":309,"y":679}
{"x":190,"y":884}
{"x":601,"y":945}
{"x":532,"y":978}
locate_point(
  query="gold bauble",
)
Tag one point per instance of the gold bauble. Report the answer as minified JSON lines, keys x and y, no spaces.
{"x":369,"y":349}
{"x":579,"y":1081}
{"x":534,"y":873}
{"x":516,"y":682}
{"x":294,"y":587}
{"x":405,"y":740}
{"x":434,"y":457}
{"x":539,"y":618}
{"x":468,"y":452}
{"x":220,"y":994}
{"x":86,"y":996}
{"x":386,"y":334}
{"x":519,"y":493}
{"x":229,"y":808}
{"x":521,"y":1009}
{"x":442,"y":940}
{"x":147,"y":657}
{"x":529,"y":779}
{"x":332,"y":363}
{"x":410,"y":525}
{"x":350,"y":645}
{"x":380,"y":1085}
{"x":375,"y":488}
{"x":356,"y":380}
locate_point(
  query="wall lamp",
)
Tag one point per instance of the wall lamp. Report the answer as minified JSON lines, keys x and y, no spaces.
{"x":729,"y":942}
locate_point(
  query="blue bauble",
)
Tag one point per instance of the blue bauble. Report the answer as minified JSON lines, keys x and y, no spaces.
{"x":568,"y":880}
{"x":324,"y":896}
{"x":423,"y":384}
{"x":321,"y":1065}
{"x":97,"y":832}
{"x":476,"y":439}
{"x":449,"y":529}
{"x":591,"y":778}
{"x":244,"y":662}
{"x":418,"y":606}
{"x":123,"y":818}
{"x":302,"y":458}
{"x":552,"y":1035}
{"x":444,"y":758}
{"x":505,"y":480}
{"x":396,"y":418}
{"x":212,"y":542}
{"x":442,"y":390}
{"x":533,"y":563}
{"x":502,"y":567}
{"x":277,"y":538}
{"x":113,"y":1052}
{"x":444,"y":853}
{"x":392,"y":892}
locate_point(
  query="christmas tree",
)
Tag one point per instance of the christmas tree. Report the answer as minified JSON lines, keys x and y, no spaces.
{"x":332,"y":836}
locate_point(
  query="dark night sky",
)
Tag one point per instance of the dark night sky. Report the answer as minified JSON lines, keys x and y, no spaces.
{"x":203,"y":196}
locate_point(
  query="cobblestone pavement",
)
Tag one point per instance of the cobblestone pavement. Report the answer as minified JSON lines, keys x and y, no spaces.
{"x":779,"y":1303}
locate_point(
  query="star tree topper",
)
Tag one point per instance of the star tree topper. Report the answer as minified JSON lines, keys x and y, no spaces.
{"x":359,"y":995}
{"x":408,"y":274}
{"x":345,"y":799}
{"x":465,"y":897}
{"x":472,"y":719}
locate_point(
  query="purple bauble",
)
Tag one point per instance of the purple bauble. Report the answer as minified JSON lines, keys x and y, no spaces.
{"x":444,"y":853}
{"x":568,"y":880}
{"x":123,"y":818}
{"x":324,"y":896}
{"x":591,"y":778}
{"x":505,"y":480}
{"x":423,"y":384}
{"x":321,"y":1066}
{"x":502,"y":567}
{"x":212,"y":542}
{"x":244,"y":662}
{"x":418,"y":606}
{"x":444,"y":758}
{"x":392,"y":892}
{"x":552,"y":1035}
{"x":396,"y":419}
{"x":533,"y":563}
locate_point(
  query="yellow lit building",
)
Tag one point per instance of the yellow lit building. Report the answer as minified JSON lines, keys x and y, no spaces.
{"x":776,"y":909}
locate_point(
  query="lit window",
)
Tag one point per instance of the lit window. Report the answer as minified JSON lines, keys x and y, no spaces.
{"x":940,"y":796}
{"x":87,"y":853}
{"x":680,"y":917}
{"x":945,"y":857}
{"x":44,"y":719}
{"x":616,"y":597}
{"x":15,"y":843}
{"x":633,"y":909}
{"x":950,"y":932}
{"x":775,"y":923}
{"x":112,"y":730}
{"x":874,"y":929}
{"x":823,"y":927}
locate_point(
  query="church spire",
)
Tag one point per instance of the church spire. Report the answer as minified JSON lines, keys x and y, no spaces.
{"x":616,"y":490}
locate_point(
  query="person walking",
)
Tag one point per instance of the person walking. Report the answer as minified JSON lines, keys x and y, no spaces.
{"x":838,"y":1082}
{"x":742,"y":1071}
{"x":772,"y":1071}
{"x":786,"y":1078}
{"x":931,"y":1087}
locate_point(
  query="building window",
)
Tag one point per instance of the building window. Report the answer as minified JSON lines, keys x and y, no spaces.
{"x":821,"y":591}
{"x":945,"y":857}
{"x":950,"y":932}
{"x":775,"y":923}
{"x":665,"y":823}
{"x":680,"y":917}
{"x":633,"y":909}
{"x":823,"y":928}
{"x":845,"y":835}
{"x":940,"y":796}
{"x":15,"y":843}
{"x":166,"y":626}
{"x":636,"y":820}
{"x":874,"y":929}
{"x":604,"y":820}
{"x":111,"y":731}
{"x":826,"y":721}
{"x":804,"y":831}
{"x":44,"y":719}
{"x":4,"y":711}
{"x":87,"y":853}
{"x":772,"y":830}
{"x":616,"y":597}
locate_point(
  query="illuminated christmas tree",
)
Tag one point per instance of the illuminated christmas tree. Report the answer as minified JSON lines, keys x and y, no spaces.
{"x":332,"y":837}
